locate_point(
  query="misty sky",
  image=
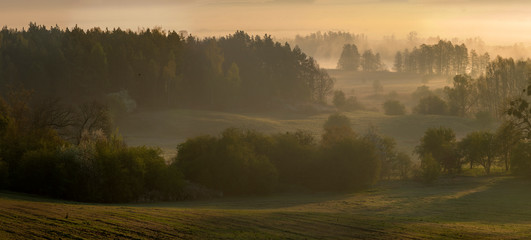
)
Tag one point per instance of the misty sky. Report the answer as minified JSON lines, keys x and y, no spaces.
{"x":495,"y":21}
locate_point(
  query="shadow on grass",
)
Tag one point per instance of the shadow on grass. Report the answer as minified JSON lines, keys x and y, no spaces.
{"x":507,"y":200}
{"x":275,"y":201}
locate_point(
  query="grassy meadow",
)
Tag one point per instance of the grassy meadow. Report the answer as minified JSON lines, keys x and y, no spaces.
{"x":167,"y":128}
{"x":494,"y":207}
{"x":452,"y":208}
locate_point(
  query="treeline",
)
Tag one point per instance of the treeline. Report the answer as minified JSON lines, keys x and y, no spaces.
{"x":507,"y":147}
{"x":503,"y":80}
{"x":249,"y":162}
{"x":326,"y":45}
{"x":351,"y":59}
{"x":160,"y":68}
{"x":70,"y":153}
{"x":483,"y":96}
{"x":443,"y":58}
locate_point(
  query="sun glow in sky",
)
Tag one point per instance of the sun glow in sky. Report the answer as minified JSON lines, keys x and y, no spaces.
{"x":500,"y":22}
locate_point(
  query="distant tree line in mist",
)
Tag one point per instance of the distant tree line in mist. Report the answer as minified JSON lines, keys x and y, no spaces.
{"x":443,"y":58}
{"x":327,"y":45}
{"x":160,"y":68}
{"x":503,"y":80}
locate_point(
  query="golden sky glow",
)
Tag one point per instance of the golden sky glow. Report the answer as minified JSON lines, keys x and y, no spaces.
{"x":501,"y":22}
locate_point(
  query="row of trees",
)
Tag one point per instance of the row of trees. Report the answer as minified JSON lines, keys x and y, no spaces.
{"x":351,"y":59}
{"x":70,"y":153}
{"x":504,"y":79}
{"x":327,"y":45}
{"x":507,"y":147}
{"x":242,"y":162}
{"x":443,"y":58}
{"x":160,"y":68}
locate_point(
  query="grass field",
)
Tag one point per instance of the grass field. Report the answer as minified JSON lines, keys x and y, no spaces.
{"x":167,"y":128}
{"x":454,"y":208}
{"x":495,"y":207}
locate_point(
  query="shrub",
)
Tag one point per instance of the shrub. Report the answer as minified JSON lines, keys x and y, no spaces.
{"x":348,"y":164}
{"x":293,"y":154}
{"x":42,"y":171}
{"x":235,"y":163}
{"x":403,"y":165}
{"x":339,"y":99}
{"x":346,"y":104}
{"x":337,"y":127}
{"x":521,"y":159}
{"x":430,"y":169}
{"x":440,"y":143}
{"x":394,"y":107}
{"x":431,"y":105}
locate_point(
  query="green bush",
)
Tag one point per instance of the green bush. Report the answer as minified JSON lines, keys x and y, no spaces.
{"x":293,"y":154}
{"x":348,"y":164}
{"x":433,"y":105}
{"x":234,"y":163}
{"x":430,"y":169}
{"x":42,"y":171}
{"x":521,"y":159}
{"x":343,"y":103}
{"x":394,"y":107}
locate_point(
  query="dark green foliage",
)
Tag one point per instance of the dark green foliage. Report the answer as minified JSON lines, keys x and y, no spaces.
{"x":392,"y":162}
{"x":521,"y":159}
{"x":432,"y":105}
{"x":403,"y":165}
{"x":234,"y":163}
{"x":504,"y":79}
{"x":98,"y":168}
{"x":480,"y":148}
{"x":294,"y":156}
{"x":519,"y":111}
{"x":430,"y":169}
{"x":247,"y":162}
{"x":394,"y":107}
{"x":507,"y":136}
{"x":399,"y":62}
{"x":421,"y":92}
{"x":371,"y":62}
{"x":339,"y":99}
{"x":345,"y":104}
{"x":441,"y":144}
{"x":462,"y":96}
{"x":337,"y":128}
{"x":160,"y":68}
{"x":350,"y":58}
{"x":442,"y":58}
{"x":348,"y":164}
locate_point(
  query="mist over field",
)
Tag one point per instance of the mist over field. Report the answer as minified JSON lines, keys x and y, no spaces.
{"x":265,"y":119}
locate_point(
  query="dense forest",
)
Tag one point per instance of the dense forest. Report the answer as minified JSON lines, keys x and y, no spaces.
{"x":55,"y":140}
{"x":159,"y":68}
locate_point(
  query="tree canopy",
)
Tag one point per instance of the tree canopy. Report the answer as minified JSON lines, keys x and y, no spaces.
{"x":160,"y":68}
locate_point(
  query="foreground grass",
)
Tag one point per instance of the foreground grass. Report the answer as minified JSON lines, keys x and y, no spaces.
{"x":470,"y":208}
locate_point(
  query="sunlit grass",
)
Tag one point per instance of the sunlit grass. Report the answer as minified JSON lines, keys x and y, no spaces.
{"x":458,"y":207}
